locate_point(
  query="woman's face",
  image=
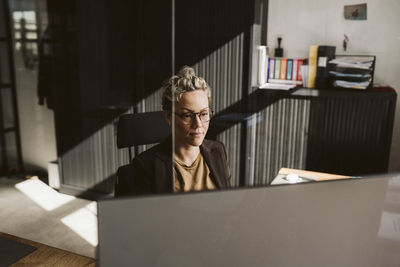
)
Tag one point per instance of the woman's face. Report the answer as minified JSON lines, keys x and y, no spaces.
{"x":191,"y":132}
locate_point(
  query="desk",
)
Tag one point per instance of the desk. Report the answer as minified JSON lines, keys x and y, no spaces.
{"x":49,"y":256}
{"x":305,"y":176}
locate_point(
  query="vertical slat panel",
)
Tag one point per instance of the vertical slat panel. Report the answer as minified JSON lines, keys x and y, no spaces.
{"x":94,"y":162}
{"x":223,"y":73}
{"x":349,"y":135}
{"x":281,"y":138}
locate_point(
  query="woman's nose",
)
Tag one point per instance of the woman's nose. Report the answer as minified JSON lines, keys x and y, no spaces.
{"x":197,"y":122}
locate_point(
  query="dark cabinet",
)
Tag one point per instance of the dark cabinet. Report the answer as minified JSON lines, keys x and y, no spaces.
{"x":335,"y":131}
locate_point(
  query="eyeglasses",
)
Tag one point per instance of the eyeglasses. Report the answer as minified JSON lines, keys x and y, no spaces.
{"x":189,"y":117}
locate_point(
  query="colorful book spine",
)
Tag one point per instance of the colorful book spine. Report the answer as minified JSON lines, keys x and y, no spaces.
{"x":299,"y":64}
{"x":289,"y":69}
{"x":294,"y":72}
{"x":267,"y":70}
{"x":312,"y":66}
{"x":285,"y":71}
{"x":271,"y":68}
{"x":283,"y":68}
{"x":277,"y":68}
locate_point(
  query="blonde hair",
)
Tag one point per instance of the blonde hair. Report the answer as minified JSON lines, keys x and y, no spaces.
{"x":183,"y":82}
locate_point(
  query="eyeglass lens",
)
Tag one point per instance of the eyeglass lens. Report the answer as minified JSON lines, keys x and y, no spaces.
{"x":190,"y":117}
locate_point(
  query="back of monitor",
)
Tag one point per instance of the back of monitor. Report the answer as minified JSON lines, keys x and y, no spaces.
{"x":318,"y":224}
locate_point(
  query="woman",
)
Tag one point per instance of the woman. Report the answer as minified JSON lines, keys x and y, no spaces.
{"x":194,"y":163}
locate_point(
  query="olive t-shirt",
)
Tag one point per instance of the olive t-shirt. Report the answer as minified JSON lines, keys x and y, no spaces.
{"x":195,"y":177}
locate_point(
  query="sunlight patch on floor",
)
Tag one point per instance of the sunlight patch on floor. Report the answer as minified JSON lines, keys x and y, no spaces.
{"x":43,"y":195}
{"x":84,"y":223}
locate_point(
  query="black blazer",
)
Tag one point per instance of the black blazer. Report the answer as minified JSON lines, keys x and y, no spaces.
{"x":151,"y":171}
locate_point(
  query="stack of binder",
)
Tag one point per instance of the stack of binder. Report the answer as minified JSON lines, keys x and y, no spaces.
{"x":319,"y":56}
{"x":352,"y":71}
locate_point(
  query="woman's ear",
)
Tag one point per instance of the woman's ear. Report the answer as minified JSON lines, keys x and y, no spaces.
{"x":167,"y":116}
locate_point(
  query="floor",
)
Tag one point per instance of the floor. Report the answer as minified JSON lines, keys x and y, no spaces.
{"x":32,"y":210}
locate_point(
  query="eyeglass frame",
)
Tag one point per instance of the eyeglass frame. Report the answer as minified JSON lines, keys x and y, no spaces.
{"x":194,"y":115}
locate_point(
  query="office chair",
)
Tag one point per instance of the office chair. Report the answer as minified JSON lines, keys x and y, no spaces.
{"x":134,"y":130}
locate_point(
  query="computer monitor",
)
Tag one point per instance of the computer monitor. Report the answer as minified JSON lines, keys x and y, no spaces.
{"x":334,"y":223}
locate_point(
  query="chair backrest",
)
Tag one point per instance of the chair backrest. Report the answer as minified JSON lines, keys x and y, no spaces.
{"x":138,"y":129}
{"x":141,"y":129}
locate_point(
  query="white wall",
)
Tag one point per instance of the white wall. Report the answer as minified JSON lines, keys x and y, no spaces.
{"x":302,"y":23}
{"x":36,"y":122}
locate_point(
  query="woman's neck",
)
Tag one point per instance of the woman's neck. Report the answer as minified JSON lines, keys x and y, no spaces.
{"x":187,"y":154}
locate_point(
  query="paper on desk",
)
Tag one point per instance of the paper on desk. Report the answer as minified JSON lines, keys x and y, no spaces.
{"x":353,"y":62}
{"x":312,"y":175}
{"x":277,"y":86}
{"x":304,"y":74}
{"x":389,"y":226}
{"x":353,"y":85}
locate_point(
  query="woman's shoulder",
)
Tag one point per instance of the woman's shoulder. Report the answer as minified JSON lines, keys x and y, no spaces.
{"x":212,"y":144}
{"x":160,"y":151}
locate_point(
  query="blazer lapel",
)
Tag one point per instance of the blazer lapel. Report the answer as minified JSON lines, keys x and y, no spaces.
{"x":215,"y":176}
{"x":164,"y":175}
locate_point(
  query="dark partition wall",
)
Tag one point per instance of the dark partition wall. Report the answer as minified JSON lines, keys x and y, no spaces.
{"x":110,"y":57}
{"x":217,"y":38}
{"x":342,"y":132}
{"x":107,"y":57}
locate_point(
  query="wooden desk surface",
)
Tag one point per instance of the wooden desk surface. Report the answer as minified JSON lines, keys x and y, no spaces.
{"x":316,"y":176}
{"x":305,"y":176}
{"x":49,"y":256}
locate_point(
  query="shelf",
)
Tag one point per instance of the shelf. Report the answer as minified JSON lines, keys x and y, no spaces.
{"x":306,"y":92}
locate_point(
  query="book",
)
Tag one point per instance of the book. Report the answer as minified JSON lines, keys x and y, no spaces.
{"x":283,"y":68}
{"x":300,"y":63}
{"x":325,"y":54}
{"x":266,"y":74}
{"x":312,"y":66}
{"x":294,"y":72}
{"x":289,"y":69}
{"x":262,"y":59}
{"x":277,"y":68}
{"x":284,"y":71}
{"x":285,"y":81}
{"x":304,"y":74}
{"x":271,"y":68}
{"x":277,"y":86}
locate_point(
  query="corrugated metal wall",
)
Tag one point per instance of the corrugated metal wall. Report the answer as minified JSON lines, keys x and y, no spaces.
{"x":280,"y":138}
{"x":223,"y":70}
{"x":93,"y":163}
{"x":351,"y":133}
